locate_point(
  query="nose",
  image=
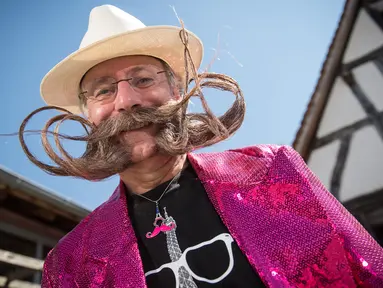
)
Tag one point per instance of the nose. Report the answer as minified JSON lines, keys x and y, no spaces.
{"x":126,"y":97}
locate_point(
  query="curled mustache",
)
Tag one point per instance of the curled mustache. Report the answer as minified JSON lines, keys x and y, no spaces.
{"x":179,"y":132}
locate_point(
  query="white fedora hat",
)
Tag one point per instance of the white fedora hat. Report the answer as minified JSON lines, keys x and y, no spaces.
{"x":113,"y":33}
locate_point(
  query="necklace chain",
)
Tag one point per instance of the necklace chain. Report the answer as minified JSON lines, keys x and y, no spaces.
{"x":163,"y":193}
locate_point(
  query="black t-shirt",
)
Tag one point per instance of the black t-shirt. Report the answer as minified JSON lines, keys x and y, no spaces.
{"x":206,"y":248}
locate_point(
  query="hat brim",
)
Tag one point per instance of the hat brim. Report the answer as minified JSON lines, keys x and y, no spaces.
{"x":60,"y":86}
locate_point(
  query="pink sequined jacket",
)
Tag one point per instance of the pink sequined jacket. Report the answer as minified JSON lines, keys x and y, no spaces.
{"x":292,"y":230}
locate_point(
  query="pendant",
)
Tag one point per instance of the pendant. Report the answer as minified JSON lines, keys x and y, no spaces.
{"x":160,"y":225}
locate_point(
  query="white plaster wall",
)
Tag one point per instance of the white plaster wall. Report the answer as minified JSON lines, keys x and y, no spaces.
{"x":370,"y":79}
{"x":341,"y":110}
{"x":365,"y":37}
{"x":364,"y":167}
{"x":322,"y":162}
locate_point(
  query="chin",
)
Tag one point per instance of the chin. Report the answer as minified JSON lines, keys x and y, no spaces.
{"x":143,"y":151}
{"x":141,"y":143}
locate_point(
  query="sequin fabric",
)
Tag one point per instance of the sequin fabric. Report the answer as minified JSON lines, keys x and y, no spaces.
{"x":292,"y":230}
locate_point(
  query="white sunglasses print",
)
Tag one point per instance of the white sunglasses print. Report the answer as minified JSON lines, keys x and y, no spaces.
{"x":181,"y":262}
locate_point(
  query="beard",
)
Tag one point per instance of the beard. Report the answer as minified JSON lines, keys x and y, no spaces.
{"x":107,"y":153}
{"x":178,"y":133}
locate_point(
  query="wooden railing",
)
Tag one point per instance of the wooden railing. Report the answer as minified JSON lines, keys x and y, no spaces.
{"x":27,"y":266}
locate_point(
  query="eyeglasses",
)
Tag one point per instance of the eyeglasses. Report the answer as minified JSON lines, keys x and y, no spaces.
{"x":141,"y":79}
{"x":181,"y":262}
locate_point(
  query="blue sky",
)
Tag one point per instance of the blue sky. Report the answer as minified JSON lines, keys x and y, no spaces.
{"x":274,"y":49}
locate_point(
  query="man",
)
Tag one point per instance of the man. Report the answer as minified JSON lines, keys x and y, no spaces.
{"x":250,"y":217}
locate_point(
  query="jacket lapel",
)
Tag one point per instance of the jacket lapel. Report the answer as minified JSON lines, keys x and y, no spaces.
{"x":269,"y":210}
{"x":113,"y":255}
{"x":231,"y":179}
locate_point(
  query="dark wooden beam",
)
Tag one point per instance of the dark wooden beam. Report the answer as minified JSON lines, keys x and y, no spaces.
{"x":3,"y":192}
{"x":366,"y":203}
{"x":30,"y":225}
{"x":371,"y":56}
{"x":342,"y":132}
{"x":368,"y":2}
{"x":363,"y":219}
{"x":370,"y":206}
{"x":374,"y":14}
{"x":21,"y":260}
{"x":363,"y":100}
{"x":337,"y":173}
{"x":44,"y":205}
{"x":18,"y":283}
{"x":379,"y":63}
{"x":330,"y":70}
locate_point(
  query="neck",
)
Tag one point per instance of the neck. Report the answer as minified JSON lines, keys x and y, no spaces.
{"x":148,"y":174}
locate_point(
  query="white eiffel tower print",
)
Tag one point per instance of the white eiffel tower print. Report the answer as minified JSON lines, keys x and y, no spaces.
{"x":175,"y":253}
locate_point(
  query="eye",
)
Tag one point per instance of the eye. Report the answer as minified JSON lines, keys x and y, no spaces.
{"x":103,"y":92}
{"x":143,"y":82}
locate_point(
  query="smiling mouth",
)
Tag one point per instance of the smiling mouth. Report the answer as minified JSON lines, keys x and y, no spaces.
{"x":136,"y":127}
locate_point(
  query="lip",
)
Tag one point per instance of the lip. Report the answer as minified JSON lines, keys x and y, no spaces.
{"x":137,"y":129}
{"x":138,"y":126}
{"x":145,"y":129}
{"x":138,"y":133}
